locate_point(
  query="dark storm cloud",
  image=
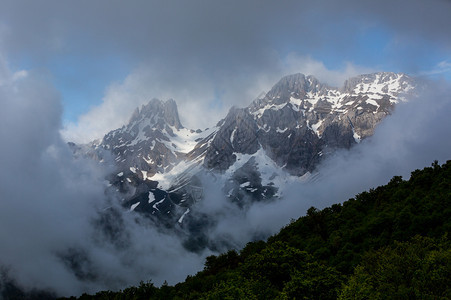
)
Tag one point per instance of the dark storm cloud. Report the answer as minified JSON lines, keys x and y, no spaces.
{"x":211,"y":32}
{"x":426,"y":19}
{"x":232,"y":50}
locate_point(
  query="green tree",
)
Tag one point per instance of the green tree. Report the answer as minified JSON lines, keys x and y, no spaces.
{"x":313,"y":281}
{"x":276,"y":263}
{"x":419,"y":269}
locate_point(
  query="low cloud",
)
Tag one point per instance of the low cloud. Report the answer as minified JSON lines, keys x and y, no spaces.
{"x":193,"y":93}
{"x":294,"y":63}
{"x":55,"y":213}
{"x":202,"y":101}
{"x":210,"y":56}
{"x":442,"y":68}
{"x":414,"y":136}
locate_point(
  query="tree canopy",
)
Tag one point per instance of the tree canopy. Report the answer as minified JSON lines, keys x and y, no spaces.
{"x":388,"y":242}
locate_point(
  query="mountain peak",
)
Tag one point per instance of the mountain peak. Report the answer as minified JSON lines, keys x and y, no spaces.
{"x":296,"y":84}
{"x":290,"y":130}
{"x":164,"y":112}
{"x":395,"y":80}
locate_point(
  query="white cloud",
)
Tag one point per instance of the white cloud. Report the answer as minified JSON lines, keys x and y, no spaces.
{"x":202,"y":101}
{"x":53,"y":208}
{"x":193,"y":95}
{"x":6,"y":77}
{"x":442,"y":68}
{"x":309,"y":66}
{"x":412,"y":138}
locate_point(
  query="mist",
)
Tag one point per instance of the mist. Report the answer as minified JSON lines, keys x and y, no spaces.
{"x":61,"y":228}
{"x":108,"y":58}
{"x":413,"y":137}
{"x":61,"y":231}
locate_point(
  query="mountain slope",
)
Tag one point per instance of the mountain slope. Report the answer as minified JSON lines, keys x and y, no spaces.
{"x":300,"y":119}
{"x":253,"y":152}
{"x":153,"y":141}
{"x":389,"y":242}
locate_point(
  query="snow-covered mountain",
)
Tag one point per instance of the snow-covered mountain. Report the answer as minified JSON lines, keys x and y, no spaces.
{"x":252,"y":152}
{"x":153,"y":141}
{"x":300,"y":120}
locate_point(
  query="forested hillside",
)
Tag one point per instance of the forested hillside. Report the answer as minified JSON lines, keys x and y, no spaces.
{"x":389,"y":242}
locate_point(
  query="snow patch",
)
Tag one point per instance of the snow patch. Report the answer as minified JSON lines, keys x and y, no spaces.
{"x":245,"y":184}
{"x":372,"y":102}
{"x":151,"y":197}
{"x":357,"y":137}
{"x":316,"y":126}
{"x":155,"y":206}
{"x":168,"y":179}
{"x":183,"y":216}
{"x":295,"y":101}
{"x":132,"y":208}
{"x":149,"y":161}
{"x":232,"y":136}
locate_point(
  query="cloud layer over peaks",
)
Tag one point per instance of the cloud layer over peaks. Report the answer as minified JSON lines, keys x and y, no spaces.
{"x":412,"y":138}
{"x":54,"y":208}
{"x":209,"y":55}
{"x":201,"y":101}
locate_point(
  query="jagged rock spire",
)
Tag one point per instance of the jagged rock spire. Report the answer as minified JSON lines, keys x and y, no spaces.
{"x":163,"y":112}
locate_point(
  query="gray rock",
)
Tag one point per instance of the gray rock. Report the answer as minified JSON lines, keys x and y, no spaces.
{"x":237,"y":134}
{"x":297,"y":123}
{"x":142,"y":144}
{"x":300,"y":120}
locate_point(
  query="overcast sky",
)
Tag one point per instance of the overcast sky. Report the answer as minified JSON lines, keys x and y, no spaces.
{"x":107,"y":57}
{"x":81,"y":67}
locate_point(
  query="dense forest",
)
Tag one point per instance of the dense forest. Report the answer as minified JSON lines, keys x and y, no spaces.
{"x":389,"y":242}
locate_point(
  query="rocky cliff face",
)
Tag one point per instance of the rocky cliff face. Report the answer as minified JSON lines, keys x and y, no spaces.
{"x":145,"y":152}
{"x":300,"y":120}
{"x":286,"y":132}
{"x":152,"y":142}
